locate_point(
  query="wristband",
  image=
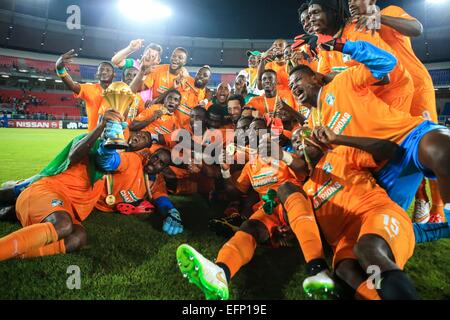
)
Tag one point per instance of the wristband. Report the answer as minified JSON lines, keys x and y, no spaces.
{"x":226,"y":173}
{"x":61,"y":73}
{"x":287,"y":158}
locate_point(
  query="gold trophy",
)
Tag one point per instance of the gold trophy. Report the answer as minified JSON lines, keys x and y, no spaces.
{"x":118,"y":96}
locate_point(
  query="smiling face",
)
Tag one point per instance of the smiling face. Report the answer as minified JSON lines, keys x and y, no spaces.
{"x":178,"y":60}
{"x":139,"y":140}
{"x":278,"y":49}
{"x":202,"y":78}
{"x":105,"y":73}
{"x":172,"y":101}
{"x":253,"y":61}
{"x":359,"y":7}
{"x":320,"y":21}
{"x":305,"y":87}
{"x":157,"y":162}
{"x":223,"y":93}
{"x":269,"y":81}
{"x":234,"y":110}
{"x":129,"y":74}
{"x":305,"y":21}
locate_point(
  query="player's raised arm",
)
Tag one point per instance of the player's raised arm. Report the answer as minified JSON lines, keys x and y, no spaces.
{"x":62,"y":73}
{"x":378,"y":61}
{"x":120,"y":58}
{"x":82,"y":148}
{"x":380,"y":149}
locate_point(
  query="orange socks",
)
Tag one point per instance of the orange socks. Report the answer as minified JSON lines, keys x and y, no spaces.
{"x":28,"y":238}
{"x":51,"y":249}
{"x":365,"y":293}
{"x":303,"y":223}
{"x":436,"y":200}
{"x":421,"y":193}
{"x":237,"y":252}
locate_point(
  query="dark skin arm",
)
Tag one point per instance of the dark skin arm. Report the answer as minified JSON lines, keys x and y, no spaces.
{"x":139,"y":125}
{"x":267,"y":145}
{"x":67,"y":58}
{"x":233,"y":192}
{"x":380,"y":149}
{"x":265,"y":58}
{"x":81,"y":149}
{"x":409,"y":28}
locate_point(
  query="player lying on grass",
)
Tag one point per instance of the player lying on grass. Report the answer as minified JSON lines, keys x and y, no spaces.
{"x":265,"y":176}
{"x":363,"y":226}
{"x":134,"y":186}
{"x":348,"y":107}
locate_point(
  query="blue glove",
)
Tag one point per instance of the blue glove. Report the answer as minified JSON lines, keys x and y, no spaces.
{"x":107,"y":159}
{"x":172,"y":225}
{"x":114,"y":129}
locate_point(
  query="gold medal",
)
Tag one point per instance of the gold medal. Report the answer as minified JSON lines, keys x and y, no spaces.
{"x":110,"y":200}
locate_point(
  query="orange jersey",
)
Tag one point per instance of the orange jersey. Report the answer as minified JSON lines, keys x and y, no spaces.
{"x":266,"y":105}
{"x":345,"y":195}
{"x":349,"y":107}
{"x":190,"y":98}
{"x":75,"y":184}
{"x":165,"y":125}
{"x":404,"y":52}
{"x":128,"y":182}
{"x":263,"y":176}
{"x":282,"y":75}
{"x":92,"y":94}
{"x":160,"y":80}
{"x":400,"y":84}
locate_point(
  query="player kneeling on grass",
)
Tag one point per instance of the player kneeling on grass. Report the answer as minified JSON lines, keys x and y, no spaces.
{"x":265,"y":176}
{"x":367,"y":231}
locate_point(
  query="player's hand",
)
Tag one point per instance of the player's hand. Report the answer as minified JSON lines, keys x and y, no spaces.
{"x":370,"y":21}
{"x":194,"y":168}
{"x":157,"y":114}
{"x":324,"y":135}
{"x":111,"y":115}
{"x":66,"y":58}
{"x":203,"y":103}
{"x":328,"y":43}
{"x":136,"y":44}
{"x":223,"y":161}
{"x":268,"y":55}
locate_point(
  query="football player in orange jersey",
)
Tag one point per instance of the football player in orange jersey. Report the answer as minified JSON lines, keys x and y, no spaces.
{"x":396,"y":27}
{"x":347,"y":106}
{"x":364,"y":227}
{"x":91,"y":93}
{"x":265,"y":176}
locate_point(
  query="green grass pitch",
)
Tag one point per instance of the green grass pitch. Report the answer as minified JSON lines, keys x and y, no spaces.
{"x":129,"y":257}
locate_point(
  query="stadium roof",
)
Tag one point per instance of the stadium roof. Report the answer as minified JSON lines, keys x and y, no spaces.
{"x":215,"y":32}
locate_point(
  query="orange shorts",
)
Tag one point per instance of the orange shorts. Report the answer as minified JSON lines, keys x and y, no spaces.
{"x":389,"y":222}
{"x":424,"y":104}
{"x":40,"y":200}
{"x":276,"y":219}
